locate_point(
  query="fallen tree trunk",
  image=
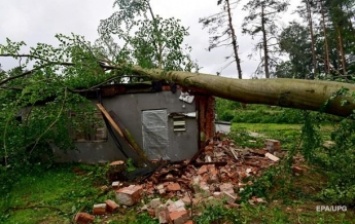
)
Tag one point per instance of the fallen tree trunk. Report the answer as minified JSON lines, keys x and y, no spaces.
{"x":326,"y":96}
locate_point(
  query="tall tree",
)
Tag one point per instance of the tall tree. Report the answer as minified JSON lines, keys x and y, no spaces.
{"x":337,"y":35}
{"x":322,"y":9}
{"x":148,"y":39}
{"x":308,"y":6}
{"x":221,"y":28}
{"x":295,"y":41}
{"x":261,"y":19}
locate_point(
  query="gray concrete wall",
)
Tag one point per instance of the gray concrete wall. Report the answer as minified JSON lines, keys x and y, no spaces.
{"x":128,"y":108}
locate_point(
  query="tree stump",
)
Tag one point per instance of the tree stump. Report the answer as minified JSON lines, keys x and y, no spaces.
{"x":115,"y":170}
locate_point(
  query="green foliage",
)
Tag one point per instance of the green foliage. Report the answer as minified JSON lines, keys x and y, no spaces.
{"x":269,"y":115}
{"x":336,"y":160}
{"x":43,"y":98}
{"x":49,"y":194}
{"x":150,"y":41}
{"x":225,"y":109}
{"x":218,"y":214}
{"x":243,"y":137}
{"x":130,"y":166}
{"x":294,"y":40}
{"x":144,"y":218}
{"x":261,"y":185}
{"x":261,"y":21}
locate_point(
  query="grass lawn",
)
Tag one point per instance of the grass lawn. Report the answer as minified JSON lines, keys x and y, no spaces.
{"x":56,"y":194}
{"x":288,"y":134}
{"x":49,"y":196}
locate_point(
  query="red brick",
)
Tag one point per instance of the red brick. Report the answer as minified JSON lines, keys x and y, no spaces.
{"x":176,"y":206}
{"x":111,"y":206}
{"x":297,"y":170}
{"x":151,"y":212}
{"x":161,"y":212}
{"x":186,"y":199}
{"x":203,"y":169}
{"x":129,"y":195}
{"x":99,"y":209}
{"x":179,"y":217}
{"x":272,"y":145}
{"x":116,"y":184}
{"x":154,"y":203}
{"x":84,"y":218}
{"x":173,"y":187}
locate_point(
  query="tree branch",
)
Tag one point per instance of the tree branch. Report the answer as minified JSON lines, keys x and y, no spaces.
{"x":4,"y":81}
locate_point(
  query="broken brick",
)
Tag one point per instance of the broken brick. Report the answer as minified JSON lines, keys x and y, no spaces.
{"x":154,"y":203}
{"x":213,"y":174}
{"x":151,"y":212}
{"x":186,"y":199}
{"x":99,"y":209}
{"x":179,"y":217}
{"x":217,"y":194}
{"x":116,"y":184}
{"x":84,"y":218}
{"x":173,"y":187}
{"x":176,"y":206}
{"x":227,"y":187}
{"x":111,"y":206}
{"x":230,"y":197}
{"x":129,"y":195}
{"x":272,"y":145}
{"x":297,"y":170}
{"x":203,"y":169}
{"x":161,"y":212}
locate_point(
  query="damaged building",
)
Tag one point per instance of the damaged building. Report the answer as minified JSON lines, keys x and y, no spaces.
{"x":163,"y":121}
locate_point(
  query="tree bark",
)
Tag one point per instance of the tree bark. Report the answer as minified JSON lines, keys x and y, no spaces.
{"x":310,"y":24}
{"x":341,"y":50}
{"x":326,"y":45}
{"x":234,"y":41}
{"x":266,"y":53}
{"x":292,"y":93}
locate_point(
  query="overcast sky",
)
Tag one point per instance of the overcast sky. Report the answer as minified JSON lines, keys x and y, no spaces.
{"x":35,"y":21}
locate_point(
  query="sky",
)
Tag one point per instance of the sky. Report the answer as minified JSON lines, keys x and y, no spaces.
{"x":37,"y":21}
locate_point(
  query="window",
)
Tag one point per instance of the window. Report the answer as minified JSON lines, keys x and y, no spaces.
{"x":88,"y":127}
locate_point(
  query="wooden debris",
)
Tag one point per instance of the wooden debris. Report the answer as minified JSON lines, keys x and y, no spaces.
{"x":272,"y":157}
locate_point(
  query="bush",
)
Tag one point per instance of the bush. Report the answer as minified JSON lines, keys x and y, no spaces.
{"x":337,"y":161}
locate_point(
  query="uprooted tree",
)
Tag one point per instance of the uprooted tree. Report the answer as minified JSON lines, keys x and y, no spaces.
{"x":59,"y":73}
{"x":39,"y":93}
{"x":48,"y":79}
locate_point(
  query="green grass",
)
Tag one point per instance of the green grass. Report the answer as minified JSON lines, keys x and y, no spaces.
{"x":288,"y":134}
{"x":55,"y":194}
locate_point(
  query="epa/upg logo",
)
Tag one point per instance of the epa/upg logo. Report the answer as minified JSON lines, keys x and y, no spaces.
{"x":331,"y":208}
